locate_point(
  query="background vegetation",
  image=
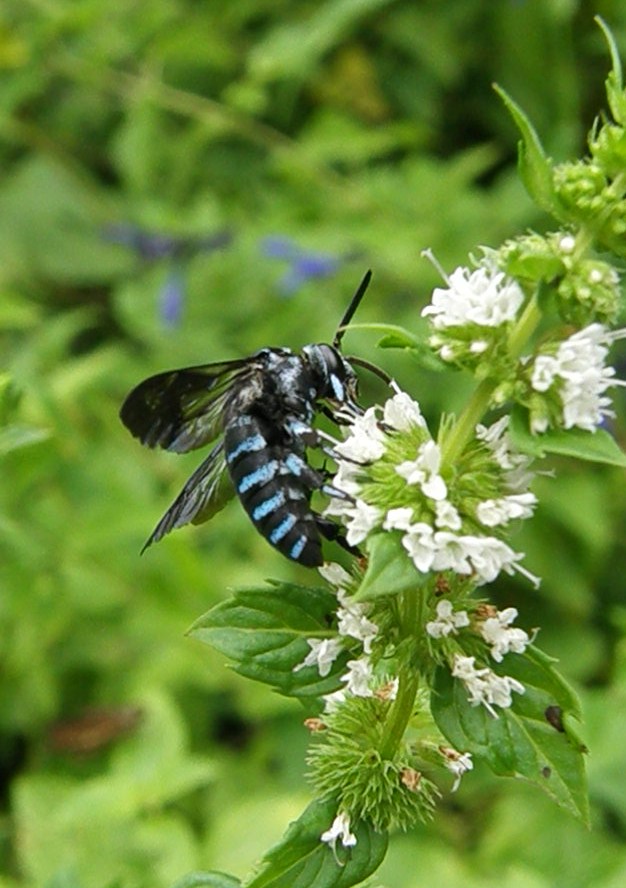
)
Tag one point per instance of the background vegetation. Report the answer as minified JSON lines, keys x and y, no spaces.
{"x":324,"y":138}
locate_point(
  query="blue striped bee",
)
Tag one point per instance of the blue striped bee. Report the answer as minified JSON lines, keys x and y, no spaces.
{"x":259,"y":410}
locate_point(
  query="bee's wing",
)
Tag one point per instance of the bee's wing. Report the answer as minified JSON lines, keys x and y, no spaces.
{"x":181,"y":410}
{"x":205,"y":493}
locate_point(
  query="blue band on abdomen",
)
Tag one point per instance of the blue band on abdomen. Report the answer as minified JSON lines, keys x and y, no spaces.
{"x":259,"y":477}
{"x":297,"y":548}
{"x":268,"y":506}
{"x":282,"y":529}
{"x":252,"y":444}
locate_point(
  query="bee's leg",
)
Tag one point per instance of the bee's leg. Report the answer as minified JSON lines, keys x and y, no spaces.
{"x":344,"y":416}
{"x":332,"y":532}
{"x":335,"y":493}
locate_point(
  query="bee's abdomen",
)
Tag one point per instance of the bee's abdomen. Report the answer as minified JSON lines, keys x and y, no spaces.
{"x":274,"y":485}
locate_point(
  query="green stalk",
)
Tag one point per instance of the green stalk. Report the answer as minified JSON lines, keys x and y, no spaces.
{"x":524,"y":329}
{"x":464,"y":428}
{"x":411,"y":606}
{"x":400,"y":714}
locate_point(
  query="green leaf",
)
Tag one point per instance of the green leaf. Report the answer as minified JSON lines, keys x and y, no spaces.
{"x":207,"y":880}
{"x":265,"y":630}
{"x":15,"y":437}
{"x":398,"y":337}
{"x":292,"y":49}
{"x":598,"y":446}
{"x":301,"y":860}
{"x":534,"y":166}
{"x":533,"y":739}
{"x":389,"y":569}
{"x":614,"y":81}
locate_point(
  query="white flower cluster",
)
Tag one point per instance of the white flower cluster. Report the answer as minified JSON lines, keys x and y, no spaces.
{"x":352,"y":622}
{"x":483,"y":557}
{"x":579,"y":374}
{"x":436,"y":546}
{"x":485,"y":297}
{"x":484,"y":686}
{"x":496,"y":628}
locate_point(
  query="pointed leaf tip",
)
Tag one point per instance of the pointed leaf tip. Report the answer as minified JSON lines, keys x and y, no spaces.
{"x":534,"y":166}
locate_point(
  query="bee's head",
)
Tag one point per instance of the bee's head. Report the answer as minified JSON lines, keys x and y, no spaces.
{"x":333,"y":377}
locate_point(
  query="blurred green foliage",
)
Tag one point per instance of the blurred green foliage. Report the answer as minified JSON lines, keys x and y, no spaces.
{"x":364,"y":129}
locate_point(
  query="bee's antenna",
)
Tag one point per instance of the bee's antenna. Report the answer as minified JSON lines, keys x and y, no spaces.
{"x":373,"y":368}
{"x":354,"y":304}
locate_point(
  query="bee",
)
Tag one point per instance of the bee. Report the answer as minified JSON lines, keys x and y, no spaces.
{"x":258,"y":411}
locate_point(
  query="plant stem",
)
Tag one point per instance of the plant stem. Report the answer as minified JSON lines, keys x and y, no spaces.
{"x":463,"y":429}
{"x":524,"y":329}
{"x":411,"y":605}
{"x":400,"y":714}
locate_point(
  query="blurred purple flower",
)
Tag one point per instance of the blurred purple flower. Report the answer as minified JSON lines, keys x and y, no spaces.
{"x":172,"y":296}
{"x":304,"y":265}
{"x":152,"y":246}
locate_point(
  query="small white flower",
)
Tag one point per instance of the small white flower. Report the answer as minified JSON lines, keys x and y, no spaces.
{"x":339,"y":829}
{"x":424,"y":471}
{"x":362,"y":518}
{"x":354,"y":623}
{"x":495,"y":512}
{"x":463,"y":668}
{"x":489,"y":556}
{"x":567,"y":244}
{"x":322,"y":654}
{"x":420,"y":545}
{"x":448,"y":620}
{"x":335,"y":575}
{"x":446,"y":515}
{"x":453,"y":552}
{"x":539,"y":424}
{"x":500,"y":688}
{"x":478,"y":346}
{"x":333,"y":701}
{"x":457,"y":762}
{"x":544,"y":372}
{"x":358,"y":678}
{"x":346,"y":480}
{"x":484,"y":296}
{"x":503,"y":638}
{"x":398,"y":519}
{"x":402,"y":413}
{"x":515,"y":465}
{"x":366,"y":441}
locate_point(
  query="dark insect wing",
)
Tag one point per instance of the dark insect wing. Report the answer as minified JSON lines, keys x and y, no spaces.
{"x":181,"y":410}
{"x":205,"y":493}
